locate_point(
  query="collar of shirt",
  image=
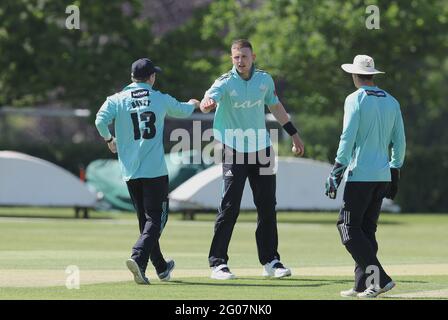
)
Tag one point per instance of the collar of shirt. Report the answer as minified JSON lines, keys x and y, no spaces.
{"x":237,"y":74}
{"x":143,"y":85}
{"x":369,"y":87}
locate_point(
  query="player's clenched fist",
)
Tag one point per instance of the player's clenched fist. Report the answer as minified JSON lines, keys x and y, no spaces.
{"x":297,"y":145}
{"x":207,"y":105}
{"x":112,"y":144}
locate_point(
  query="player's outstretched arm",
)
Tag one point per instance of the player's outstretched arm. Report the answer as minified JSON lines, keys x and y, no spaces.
{"x":195,"y":102}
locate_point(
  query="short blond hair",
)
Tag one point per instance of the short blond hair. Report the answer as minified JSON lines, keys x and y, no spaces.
{"x":241,"y":43}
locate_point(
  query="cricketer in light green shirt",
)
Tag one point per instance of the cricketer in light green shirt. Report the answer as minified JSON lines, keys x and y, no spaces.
{"x":240,"y":115}
{"x":139,"y":112}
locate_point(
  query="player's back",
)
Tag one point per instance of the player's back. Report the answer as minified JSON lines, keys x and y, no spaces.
{"x":139,"y":130}
{"x":378,"y":112}
{"x":139,"y":113}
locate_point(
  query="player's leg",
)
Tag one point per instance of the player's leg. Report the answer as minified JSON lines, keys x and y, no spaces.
{"x":354,"y":217}
{"x":369,"y":227}
{"x":156,"y":256}
{"x":262,"y":180}
{"x":154,"y":195}
{"x":135,"y":265}
{"x":234,"y":179}
{"x":163,"y":267}
{"x":263,"y":185}
{"x":370,"y":222}
{"x":357,"y":198}
{"x":136,"y":194}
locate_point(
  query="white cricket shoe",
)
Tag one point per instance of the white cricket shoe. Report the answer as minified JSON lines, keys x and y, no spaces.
{"x":139,"y":275}
{"x":222,"y":272}
{"x":374,"y":291}
{"x":276,"y":269}
{"x":349,"y":293}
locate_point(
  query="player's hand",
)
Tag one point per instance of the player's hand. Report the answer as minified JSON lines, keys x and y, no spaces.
{"x":393,"y":185}
{"x":331,"y":187}
{"x":297,"y":145}
{"x":207,"y":105}
{"x":334,"y":179}
{"x":112,"y":146}
{"x":195,"y":102}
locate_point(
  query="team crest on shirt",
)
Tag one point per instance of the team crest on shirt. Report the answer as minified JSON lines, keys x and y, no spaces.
{"x":263,"y":88}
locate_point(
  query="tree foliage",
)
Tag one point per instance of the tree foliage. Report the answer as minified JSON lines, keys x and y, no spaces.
{"x":41,"y":60}
{"x":302,"y":43}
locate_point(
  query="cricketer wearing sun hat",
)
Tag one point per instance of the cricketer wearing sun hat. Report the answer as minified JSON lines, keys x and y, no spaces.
{"x":371,"y":151}
{"x":370,"y":161}
{"x":362,"y":64}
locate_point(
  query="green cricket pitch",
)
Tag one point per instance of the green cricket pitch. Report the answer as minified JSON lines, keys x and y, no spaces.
{"x":38,"y":246}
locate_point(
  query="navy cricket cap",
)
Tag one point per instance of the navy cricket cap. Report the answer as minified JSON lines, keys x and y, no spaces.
{"x":143,"y":68}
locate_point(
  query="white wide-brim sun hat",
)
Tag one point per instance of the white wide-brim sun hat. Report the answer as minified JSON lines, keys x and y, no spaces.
{"x":362,"y":64}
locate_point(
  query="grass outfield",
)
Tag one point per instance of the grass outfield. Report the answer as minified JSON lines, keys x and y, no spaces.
{"x":35,"y":252}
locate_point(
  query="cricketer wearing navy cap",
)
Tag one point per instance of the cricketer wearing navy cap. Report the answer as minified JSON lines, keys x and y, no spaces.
{"x":138,"y":113}
{"x":143,"y":68}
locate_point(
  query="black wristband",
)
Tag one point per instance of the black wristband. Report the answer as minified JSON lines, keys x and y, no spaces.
{"x":110,"y":140}
{"x":289,"y":127}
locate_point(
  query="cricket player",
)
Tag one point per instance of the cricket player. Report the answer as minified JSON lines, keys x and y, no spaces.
{"x":371,"y":150}
{"x":239,"y":97}
{"x":139,"y":112}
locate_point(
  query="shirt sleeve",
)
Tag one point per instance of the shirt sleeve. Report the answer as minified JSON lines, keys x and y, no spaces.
{"x":349,"y":131}
{"x":216,"y":91}
{"x":398,"y":142}
{"x":105,"y":116}
{"x":178,"y":109}
{"x":270,"y":98}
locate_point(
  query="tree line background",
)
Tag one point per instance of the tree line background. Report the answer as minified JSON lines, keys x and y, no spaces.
{"x":302,"y":43}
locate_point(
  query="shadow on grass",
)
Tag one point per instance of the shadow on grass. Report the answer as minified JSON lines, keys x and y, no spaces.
{"x":328,"y":222}
{"x":49,"y":216}
{"x":287,"y":283}
{"x":411,"y":281}
{"x":282,"y":217}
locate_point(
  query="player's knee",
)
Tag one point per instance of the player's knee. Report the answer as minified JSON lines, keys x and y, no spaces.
{"x":227,"y":213}
{"x":266,"y":203}
{"x":369,"y":229}
{"x":344,"y":233}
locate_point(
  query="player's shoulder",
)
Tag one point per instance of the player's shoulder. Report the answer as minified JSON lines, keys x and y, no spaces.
{"x":125,"y":92}
{"x":225,"y":76}
{"x":163,"y":98}
{"x":392,"y":98}
{"x":262,"y":73}
{"x":114,"y":97}
{"x":355,"y":95}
